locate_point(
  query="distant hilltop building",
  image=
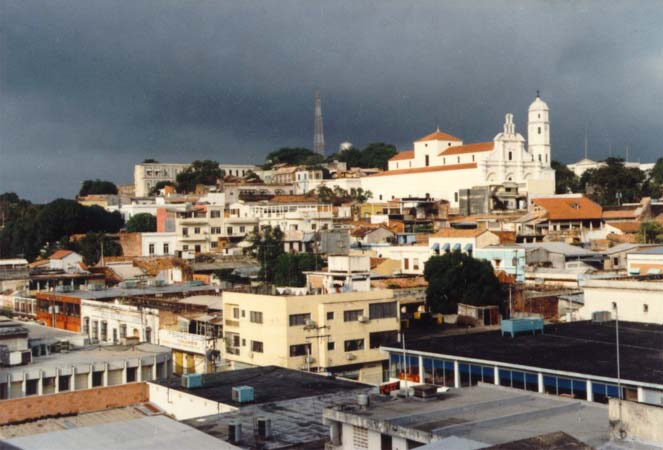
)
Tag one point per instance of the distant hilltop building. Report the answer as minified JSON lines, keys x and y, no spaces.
{"x":585,"y":164}
{"x":148,"y":174}
{"x":441,"y":165}
{"x":345,"y":146}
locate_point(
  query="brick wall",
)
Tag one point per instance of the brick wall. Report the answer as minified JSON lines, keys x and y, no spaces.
{"x":69,"y":403}
{"x":131,"y":244}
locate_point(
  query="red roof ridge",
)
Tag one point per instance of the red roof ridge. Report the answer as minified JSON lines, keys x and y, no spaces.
{"x":438,"y":136}
{"x":468,"y":148}
{"x":405,"y":154}
{"x":426,"y":169}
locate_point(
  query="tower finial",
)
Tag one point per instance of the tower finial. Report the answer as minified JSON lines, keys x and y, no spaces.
{"x":537,"y":94}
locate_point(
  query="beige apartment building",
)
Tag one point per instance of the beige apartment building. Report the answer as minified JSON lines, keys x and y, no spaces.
{"x":339,"y":333}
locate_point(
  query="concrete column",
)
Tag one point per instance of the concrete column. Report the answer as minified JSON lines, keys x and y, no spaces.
{"x":72,"y":379}
{"x":590,"y":392}
{"x":124,"y":372}
{"x":57,"y":381}
{"x":456,"y":374}
{"x":139,"y":370}
{"x":154,"y":368}
{"x":40,"y":383}
{"x":541,"y":386}
{"x":104,"y":381}
{"x":496,"y":371}
{"x":421,"y":369}
{"x":24,"y":384}
{"x":89,"y":377}
{"x":641,"y":395}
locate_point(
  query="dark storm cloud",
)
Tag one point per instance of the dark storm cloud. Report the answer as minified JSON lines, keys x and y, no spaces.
{"x":90,"y":88}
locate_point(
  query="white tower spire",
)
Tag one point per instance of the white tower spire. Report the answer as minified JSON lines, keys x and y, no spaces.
{"x":538,"y":131}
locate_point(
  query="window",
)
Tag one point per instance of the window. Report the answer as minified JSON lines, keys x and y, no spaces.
{"x":151,"y":249}
{"x":472,"y":158}
{"x":229,"y":230}
{"x":427,"y":160}
{"x":196,"y":230}
{"x":243,"y":342}
{"x":360,"y":435}
{"x":458,"y":159}
{"x":256,"y":346}
{"x":63,"y":383}
{"x":216,"y":230}
{"x":185,"y":231}
{"x":498,"y":263}
{"x":331,"y":345}
{"x":104,"y":330}
{"x":300,"y":350}
{"x":299,"y":319}
{"x":95,"y":329}
{"x":415,"y":263}
{"x":97,"y":379}
{"x":185,"y":247}
{"x":385,"y":442}
{"x":406,"y":264}
{"x":242,"y":229}
{"x":382,"y":310}
{"x":539,"y":158}
{"x":215,"y":214}
{"x":197,"y":248}
{"x":255,"y":316}
{"x":166,"y":249}
{"x":510,"y":156}
{"x":352,"y":315}
{"x":330,"y":315}
{"x":455,"y":196}
{"x":645,"y":308}
{"x":382,"y":338}
{"x":148,"y":334}
{"x":235,"y":313}
{"x":132,"y":373}
{"x":86,"y":326}
{"x":353,"y":345}
{"x":123,"y":330}
{"x":243,"y":313}
{"x":539,"y":130}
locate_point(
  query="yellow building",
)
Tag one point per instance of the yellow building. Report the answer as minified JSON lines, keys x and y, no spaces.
{"x":339,"y":333}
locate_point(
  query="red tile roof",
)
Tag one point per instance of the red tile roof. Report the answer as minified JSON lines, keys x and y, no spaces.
{"x":294,"y":199}
{"x":469,"y":148}
{"x":61,"y":254}
{"x":569,"y":208}
{"x":626,"y":227}
{"x":459,"y":233}
{"x":438,"y":136}
{"x":426,"y":169}
{"x":404,"y":155}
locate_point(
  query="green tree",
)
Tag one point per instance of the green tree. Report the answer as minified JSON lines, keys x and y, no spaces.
{"x":292,"y":156}
{"x":97,"y":187}
{"x":90,"y":247}
{"x":160,"y":185}
{"x":266,"y":247}
{"x":377,"y":155}
{"x":613,"y":183}
{"x":352,"y":157}
{"x":359,"y":195}
{"x":565,"y":180}
{"x":458,"y":278}
{"x":142,"y":223}
{"x":650,"y":233}
{"x":205,"y":172}
{"x":657,"y":172}
{"x":289,"y":268}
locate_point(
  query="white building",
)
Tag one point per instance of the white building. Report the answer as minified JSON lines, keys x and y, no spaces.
{"x":158,"y":244}
{"x":285,"y":212}
{"x":200,"y":226}
{"x":636,"y":300}
{"x":585,"y":164}
{"x":66,"y":260}
{"x":112,"y":322}
{"x":440,"y":164}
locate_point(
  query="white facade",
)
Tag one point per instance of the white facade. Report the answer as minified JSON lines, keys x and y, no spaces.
{"x":305,"y":217}
{"x":147,"y":175}
{"x":69,"y":263}
{"x":199,"y":227}
{"x":440,"y":165}
{"x":158,"y":244}
{"x":636,"y":301}
{"x":111,"y":322}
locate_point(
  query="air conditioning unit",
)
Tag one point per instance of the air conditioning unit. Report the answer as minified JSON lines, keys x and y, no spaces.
{"x":350,"y":357}
{"x":310,"y":323}
{"x":363,"y":319}
{"x":192,"y":380}
{"x":243,"y":394}
{"x":309,"y":359}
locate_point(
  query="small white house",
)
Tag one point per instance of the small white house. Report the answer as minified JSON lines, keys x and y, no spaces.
{"x":66,"y":260}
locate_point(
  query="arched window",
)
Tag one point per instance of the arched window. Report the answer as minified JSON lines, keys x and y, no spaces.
{"x":510,"y":156}
{"x":539,"y":130}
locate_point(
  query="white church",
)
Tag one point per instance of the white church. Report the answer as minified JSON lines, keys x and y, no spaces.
{"x":440,"y":164}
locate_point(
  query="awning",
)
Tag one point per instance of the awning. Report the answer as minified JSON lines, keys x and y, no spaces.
{"x":634,"y":271}
{"x":654,"y":272}
{"x":468,"y":247}
{"x":446,"y":247}
{"x":436,"y":247}
{"x":456,"y":247}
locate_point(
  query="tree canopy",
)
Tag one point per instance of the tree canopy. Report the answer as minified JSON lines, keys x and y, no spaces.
{"x":650,"y":233}
{"x":142,"y":223}
{"x":205,"y":172}
{"x":89,"y":247}
{"x":458,"y":278}
{"x":289,"y":268}
{"x":614,"y":183}
{"x":565,"y":180}
{"x":293,"y":156}
{"x":337,"y":196}
{"x":28,"y":228}
{"x":97,"y":187}
{"x":375,"y":155}
{"x":160,"y":185}
{"x":266,"y":247}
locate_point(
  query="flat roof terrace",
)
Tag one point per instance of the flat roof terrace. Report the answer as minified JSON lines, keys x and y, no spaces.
{"x":580,"y":347}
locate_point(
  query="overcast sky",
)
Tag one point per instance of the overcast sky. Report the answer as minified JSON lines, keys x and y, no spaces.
{"x":89,"y":88}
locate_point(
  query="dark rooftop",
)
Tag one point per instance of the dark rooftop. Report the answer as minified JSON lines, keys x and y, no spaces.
{"x":551,"y":441}
{"x":270,"y":384}
{"x":582,"y":347}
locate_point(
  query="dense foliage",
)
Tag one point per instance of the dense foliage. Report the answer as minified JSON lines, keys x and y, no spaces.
{"x":292,"y":156}
{"x":97,"y":187}
{"x":205,"y":172}
{"x":91,"y":245}
{"x":614,"y":183}
{"x":28,"y":228}
{"x":267,"y":246}
{"x":160,"y":185}
{"x":458,"y":278}
{"x":565,"y":180}
{"x":289,"y":268}
{"x":375,"y":155}
{"x":650,"y":233}
{"x":337,"y":196}
{"x":142,"y":223}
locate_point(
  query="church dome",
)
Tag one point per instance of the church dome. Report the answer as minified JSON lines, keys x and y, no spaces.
{"x":538,"y":105}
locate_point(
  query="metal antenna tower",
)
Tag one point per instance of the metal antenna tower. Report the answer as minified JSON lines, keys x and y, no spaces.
{"x":318,"y":135}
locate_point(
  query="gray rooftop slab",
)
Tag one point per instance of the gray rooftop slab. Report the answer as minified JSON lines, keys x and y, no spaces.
{"x":156,"y":432}
{"x":562,"y":248}
{"x":141,"y":291}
